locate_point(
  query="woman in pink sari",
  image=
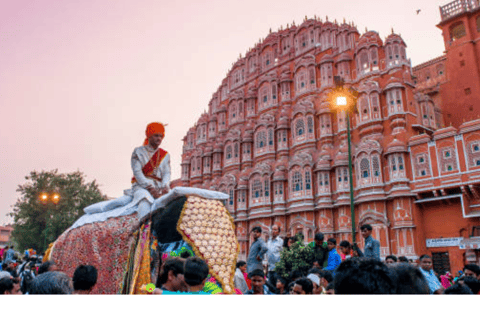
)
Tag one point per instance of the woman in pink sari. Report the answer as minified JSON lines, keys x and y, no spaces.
{"x":446,"y":280}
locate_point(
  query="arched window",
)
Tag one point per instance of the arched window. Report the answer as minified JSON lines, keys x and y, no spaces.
{"x":261,"y":139}
{"x":364,"y":109}
{"x":270,"y":137}
{"x":376,"y":166}
{"x":299,"y":127}
{"x":297,"y":184}
{"x":308,"y":180}
{"x":310,"y":124}
{"x":457,"y":31}
{"x":364,"y":168}
{"x":233,"y":112}
{"x":256,"y":189}
{"x":230,"y":198}
{"x":301,"y":81}
{"x":374,"y":58}
{"x":397,"y":169}
{"x":228,"y":152}
{"x":311,"y":75}
{"x":267,"y":187}
{"x":363,"y":60}
{"x":236,"y":150}
{"x":274,"y":91}
{"x":375,"y":105}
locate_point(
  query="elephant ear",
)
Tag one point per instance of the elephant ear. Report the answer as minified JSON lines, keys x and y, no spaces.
{"x":209,"y":229}
{"x":164,"y":221}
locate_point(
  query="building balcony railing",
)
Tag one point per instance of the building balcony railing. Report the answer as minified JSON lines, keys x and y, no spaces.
{"x":457,"y":7}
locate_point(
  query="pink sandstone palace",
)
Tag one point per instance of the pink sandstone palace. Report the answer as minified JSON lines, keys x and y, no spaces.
{"x":271,"y":140}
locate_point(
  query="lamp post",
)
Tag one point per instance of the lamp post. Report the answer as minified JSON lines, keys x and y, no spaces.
{"x":46,"y":198}
{"x":346,"y":100}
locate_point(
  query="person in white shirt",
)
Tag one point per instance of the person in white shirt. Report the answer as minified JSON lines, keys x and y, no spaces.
{"x":151,"y":170}
{"x":274,"y":247}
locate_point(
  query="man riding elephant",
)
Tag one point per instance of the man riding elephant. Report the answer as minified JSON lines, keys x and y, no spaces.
{"x":151,"y":170}
{"x":128,"y":238}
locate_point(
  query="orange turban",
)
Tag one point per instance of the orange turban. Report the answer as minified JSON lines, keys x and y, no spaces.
{"x":152,"y":128}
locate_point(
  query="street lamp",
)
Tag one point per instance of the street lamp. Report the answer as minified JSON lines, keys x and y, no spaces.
{"x":343,"y":99}
{"x":45,"y":198}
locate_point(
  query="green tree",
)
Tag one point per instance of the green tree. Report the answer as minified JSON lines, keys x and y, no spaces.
{"x":38,"y":222}
{"x":298,"y":257}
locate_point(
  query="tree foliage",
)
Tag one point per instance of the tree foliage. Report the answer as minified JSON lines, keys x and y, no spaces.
{"x":36,"y":222}
{"x":298,"y":257}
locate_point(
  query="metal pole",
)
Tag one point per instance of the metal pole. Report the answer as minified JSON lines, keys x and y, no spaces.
{"x":350,"y":171}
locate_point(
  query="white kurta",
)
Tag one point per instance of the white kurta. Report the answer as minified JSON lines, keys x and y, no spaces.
{"x":140,"y":157}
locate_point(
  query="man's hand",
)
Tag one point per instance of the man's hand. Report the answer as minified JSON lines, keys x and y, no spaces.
{"x":154,"y":192}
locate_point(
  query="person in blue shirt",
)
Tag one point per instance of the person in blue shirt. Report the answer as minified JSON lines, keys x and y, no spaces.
{"x":172,"y":279}
{"x":195,"y":275}
{"x":334,"y":258}
{"x":426,"y":267}
{"x":372,"y":246}
{"x":258,"y":283}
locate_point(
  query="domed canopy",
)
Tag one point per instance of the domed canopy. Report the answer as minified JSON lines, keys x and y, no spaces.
{"x":394,"y":38}
{"x":396,"y":146}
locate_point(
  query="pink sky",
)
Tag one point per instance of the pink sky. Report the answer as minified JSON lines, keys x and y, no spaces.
{"x":80,"y":80}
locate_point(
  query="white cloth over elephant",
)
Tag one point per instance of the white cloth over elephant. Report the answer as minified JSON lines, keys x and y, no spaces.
{"x":137,"y":198}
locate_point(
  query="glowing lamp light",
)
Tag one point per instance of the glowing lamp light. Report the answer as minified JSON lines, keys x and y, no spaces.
{"x":43,"y":197}
{"x":341,"y":101}
{"x":55,"y":198}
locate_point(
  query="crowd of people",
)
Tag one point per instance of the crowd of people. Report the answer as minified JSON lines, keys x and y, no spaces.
{"x":347,"y":270}
{"x":31,"y":276}
{"x":342,"y":269}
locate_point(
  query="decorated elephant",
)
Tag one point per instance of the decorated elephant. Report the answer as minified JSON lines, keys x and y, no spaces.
{"x":128,"y":254}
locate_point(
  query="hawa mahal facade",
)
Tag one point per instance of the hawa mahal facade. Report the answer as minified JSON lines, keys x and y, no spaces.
{"x":271,"y":140}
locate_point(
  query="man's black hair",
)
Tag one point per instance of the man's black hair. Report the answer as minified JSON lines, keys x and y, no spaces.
{"x":6,"y":284}
{"x":319,"y":236}
{"x":195,"y":271}
{"x":472,"y":267}
{"x":327,"y":275}
{"x":366,"y":226}
{"x":283,"y":280}
{"x":45,"y":266}
{"x":316,"y":271}
{"x":345,"y":244}
{"x":409,"y":279}
{"x":330,"y":286}
{"x":185,"y":255}
{"x":363,"y":276}
{"x":256,"y":272}
{"x":257,"y":229}
{"x":424,"y":256}
{"x":394,"y":258}
{"x":51,"y":282}
{"x":172,"y":264}
{"x":332,"y":240}
{"x":84,"y":277}
{"x":306,"y":285}
{"x":295,"y":274}
{"x":240,"y":263}
{"x":458,"y":289}
{"x":402,"y":259}
{"x":472,"y":283}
